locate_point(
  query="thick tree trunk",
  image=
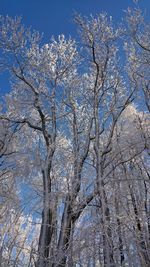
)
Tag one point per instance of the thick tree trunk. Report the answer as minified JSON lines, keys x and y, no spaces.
{"x":64,"y":236}
{"x":47,"y":220}
{"x":107,"y":235}
{"x":45,"y":237}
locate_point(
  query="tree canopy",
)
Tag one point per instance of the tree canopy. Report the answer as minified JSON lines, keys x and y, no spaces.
{"x":75,"y":145}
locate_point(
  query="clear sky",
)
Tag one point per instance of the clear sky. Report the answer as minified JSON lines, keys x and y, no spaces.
{"x":53,"y":17}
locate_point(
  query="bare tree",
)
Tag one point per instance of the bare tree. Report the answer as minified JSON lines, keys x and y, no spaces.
{"x":78,"y":146}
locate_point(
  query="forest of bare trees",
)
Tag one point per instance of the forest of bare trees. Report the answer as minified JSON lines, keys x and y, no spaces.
{"x":75,"y":145}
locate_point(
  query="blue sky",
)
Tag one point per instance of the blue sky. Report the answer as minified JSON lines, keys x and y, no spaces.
{"x":54,"y":17}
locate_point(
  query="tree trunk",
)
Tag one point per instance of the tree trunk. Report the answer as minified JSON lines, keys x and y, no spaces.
{"x":145,"y":259}
{"x":46,"y":226}
{"x":122,"y":258}
{"x":64,"y":236}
